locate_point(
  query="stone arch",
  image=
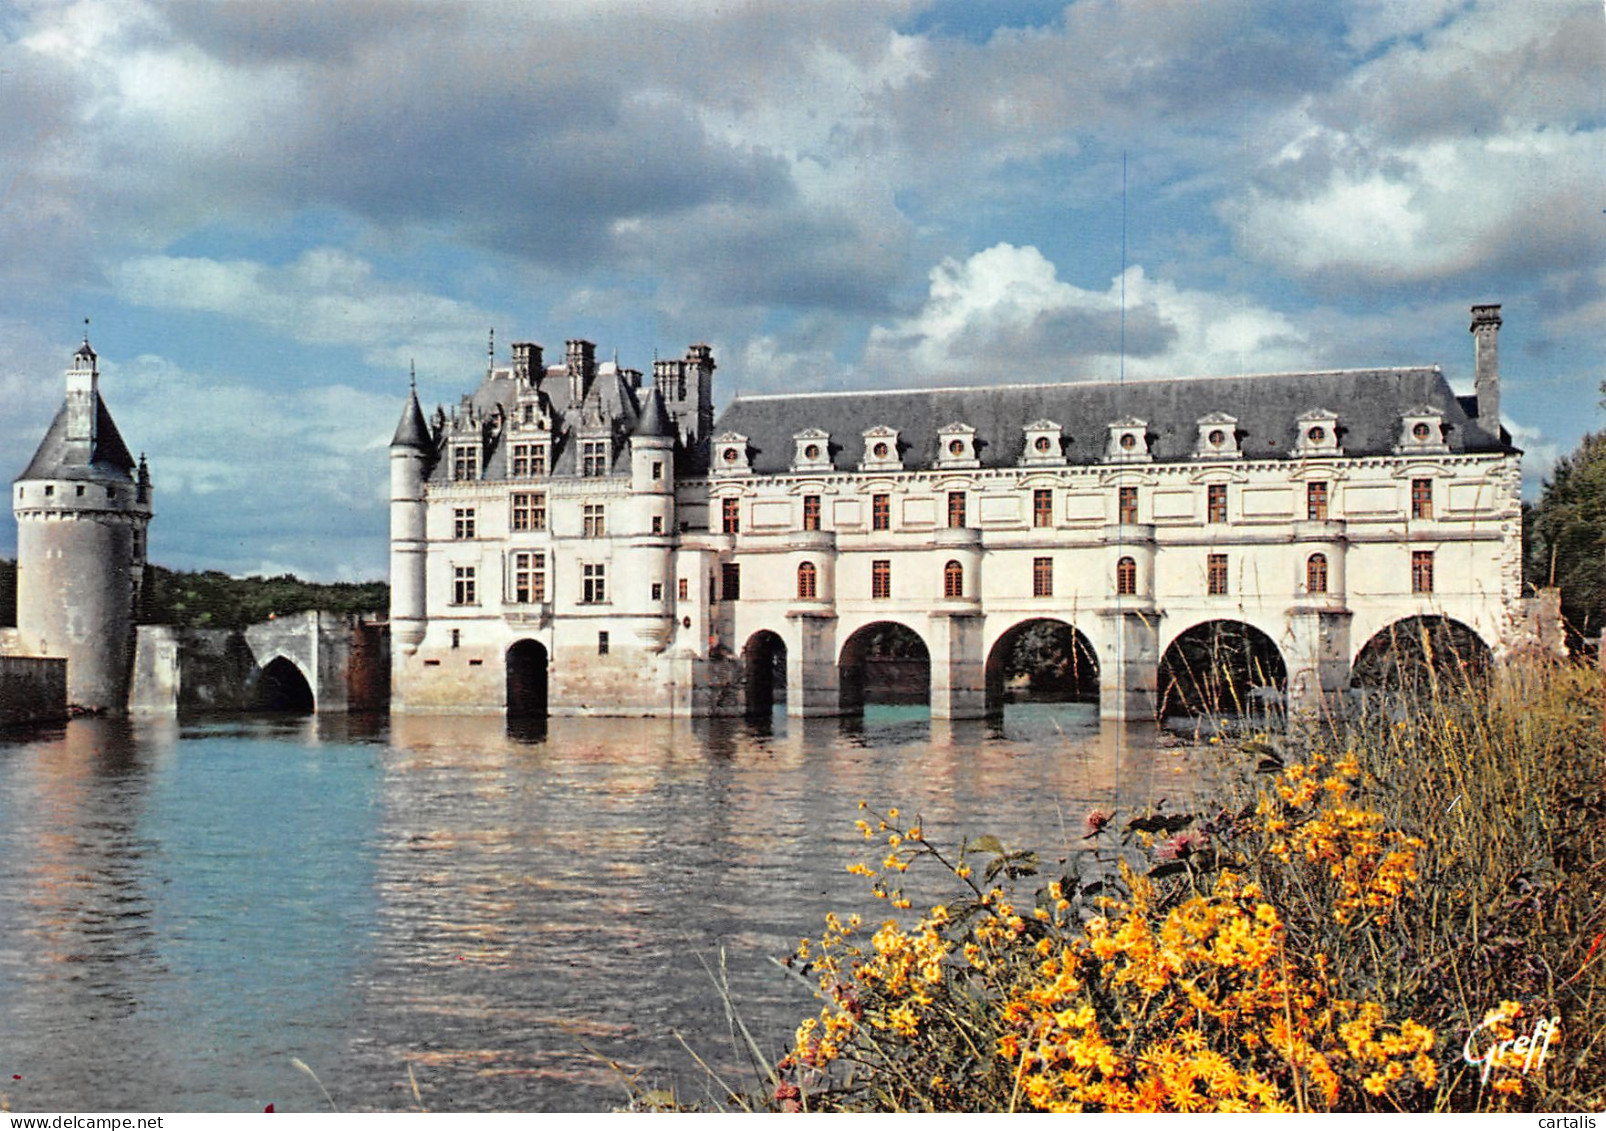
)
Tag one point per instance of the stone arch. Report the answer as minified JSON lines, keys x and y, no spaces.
{"x":281,"y":685}
{"x":1414,"y":652}
{"x":1225,"y":667}
{"x":764,"y":661}
{"x":527,"y":678}
{"x":1054,"y":657}
{"x":883,"y":662}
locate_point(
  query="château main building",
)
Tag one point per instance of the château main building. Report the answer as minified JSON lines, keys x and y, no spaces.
{"x":569,"y":540}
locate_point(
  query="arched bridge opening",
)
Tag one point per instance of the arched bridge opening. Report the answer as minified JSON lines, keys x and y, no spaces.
{"x":1416,"y":654}
{"x":281,"y":686}
{"x":527,"y":680}
{"x":1042,"y":660}
{"x":764,"y":673}
{"x":1222,"y":667}
{"x":884,"y":662}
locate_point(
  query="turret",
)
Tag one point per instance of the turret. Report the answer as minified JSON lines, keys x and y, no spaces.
{"x":652,"y":449}
{"x":82,"y":517}
{"x":411,"y":451}
{"x":1485,"y":330}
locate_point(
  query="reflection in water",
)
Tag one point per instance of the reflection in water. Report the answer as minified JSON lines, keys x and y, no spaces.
{"x":498,"y":907}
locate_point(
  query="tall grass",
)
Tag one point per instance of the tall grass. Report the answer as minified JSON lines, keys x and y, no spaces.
{"x":1356,"y":905}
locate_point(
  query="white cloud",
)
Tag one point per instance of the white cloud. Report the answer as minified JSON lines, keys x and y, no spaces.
{"x":1004,"y":314}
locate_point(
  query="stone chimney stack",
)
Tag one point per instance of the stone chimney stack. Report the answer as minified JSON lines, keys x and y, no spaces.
{"x":527,"y":362}
{"x":1486,"y":365}
{"x":581,"y":359}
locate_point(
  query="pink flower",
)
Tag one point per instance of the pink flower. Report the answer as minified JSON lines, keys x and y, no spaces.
{"x":1096,"y":820}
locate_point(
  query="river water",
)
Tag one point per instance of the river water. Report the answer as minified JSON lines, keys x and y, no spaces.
{"x":185,"y":907}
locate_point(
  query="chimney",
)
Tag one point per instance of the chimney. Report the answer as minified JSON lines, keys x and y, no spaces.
{"x":1486,"y":365}
{"x":527,"y":363}
{"x":581,"y":359}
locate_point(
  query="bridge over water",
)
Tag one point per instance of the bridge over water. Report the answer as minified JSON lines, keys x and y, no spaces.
{"x":311,"y":661}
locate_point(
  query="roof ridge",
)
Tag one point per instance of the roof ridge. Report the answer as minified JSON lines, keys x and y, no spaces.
{"x":1085,"y":384}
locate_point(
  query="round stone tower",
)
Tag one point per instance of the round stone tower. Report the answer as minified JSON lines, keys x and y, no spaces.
{"x":82,"y":507}
{"x":411,"y":452}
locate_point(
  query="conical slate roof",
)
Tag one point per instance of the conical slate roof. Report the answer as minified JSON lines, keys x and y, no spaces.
{"x":654,"y":420}
{"x":412,"y":432}
{"x":57,"y":458}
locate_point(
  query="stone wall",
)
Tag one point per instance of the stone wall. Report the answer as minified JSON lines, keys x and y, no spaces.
{"x":32,"y":690}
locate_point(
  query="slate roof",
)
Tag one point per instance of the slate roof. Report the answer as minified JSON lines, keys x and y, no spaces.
{"x":58,"y":459}
{"x":412,"y":432}
{"x":1368,"y":404}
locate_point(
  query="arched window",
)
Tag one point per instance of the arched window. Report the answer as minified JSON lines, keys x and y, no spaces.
{"x":807,"y":582}
{"x":1316,"y":573}
{"x":953,"y":580}
{"x":1126,"y":577}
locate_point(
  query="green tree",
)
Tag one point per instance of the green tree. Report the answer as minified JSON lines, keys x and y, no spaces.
{"x":1565,"y":532}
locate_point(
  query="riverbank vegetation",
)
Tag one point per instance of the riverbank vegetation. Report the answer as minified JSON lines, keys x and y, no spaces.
{"x":1355,"y":918}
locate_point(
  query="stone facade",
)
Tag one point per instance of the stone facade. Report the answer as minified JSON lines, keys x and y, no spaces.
{"x":82,"y":507}
{"x":564,"y":542}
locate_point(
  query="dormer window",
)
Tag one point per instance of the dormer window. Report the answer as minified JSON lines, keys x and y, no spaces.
{"x":1318,"y":434}
{"x":465,"y":461}
{"x":1044,"y":444}
{"x":1129,"y":441}
{"x":813,"y":450}
{"x":1218,"y":437}
{"x":881,"y":450}
{"x":956,"y":446}
{"x":1422,"y":430}
{"x":730,"y":454}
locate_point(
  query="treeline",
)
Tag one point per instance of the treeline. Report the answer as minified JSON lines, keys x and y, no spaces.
{"x":210,"y":599}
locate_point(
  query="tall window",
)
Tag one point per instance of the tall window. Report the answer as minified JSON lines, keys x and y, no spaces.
{"x":1421,"y":571}
{"x":880,"y":578}
{"x":657,"y":470}
{"x":1216,"y":575}
{"x":465,"y":462}
{"x":1043,"y":507}
{"x":1042,"y":577}
{"x":463,"y":522}
{"x":684,"y":589}
{"x":1126,"y":577}
{"x":808,"y":582}
{"x":1216,"y":502}
{"x":593,"y":458}
{"x":881,"y":512}
{"x":1422,"y":499}
{"x":1316,"y":501}
{"x":529,"y":578}
{"x":529,"y":510}
{"x":1128,"y":499}
{"x":730,"y":516}
{"x":602,"y":643}
{"x":811,"y":512}
{"x":529,"y":460}
{"x":956,"y":508}
{"x":593,"y":583}
{"x":595,"y":520}
{"x":1316,"y":573}
{"x":730,"y":581}
{"x":953,"y":580}
{"x":463,"y":586}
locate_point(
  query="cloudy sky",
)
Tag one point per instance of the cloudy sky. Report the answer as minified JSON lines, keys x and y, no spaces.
{"x":269,"y":208}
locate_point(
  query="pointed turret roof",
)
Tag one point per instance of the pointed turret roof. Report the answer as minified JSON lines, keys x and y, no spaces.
{"x":654,"y":420}
{"x":59,"y":458}
{"x":413,"y":431}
